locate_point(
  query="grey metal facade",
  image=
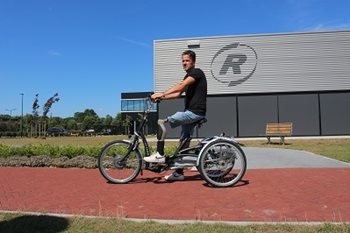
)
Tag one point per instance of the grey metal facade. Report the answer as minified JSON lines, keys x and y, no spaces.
{"x":300,"y":77}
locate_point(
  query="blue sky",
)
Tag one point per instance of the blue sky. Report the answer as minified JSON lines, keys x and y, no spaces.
{"x":89,"y":51}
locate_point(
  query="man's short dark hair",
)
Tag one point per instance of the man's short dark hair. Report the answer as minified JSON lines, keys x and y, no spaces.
{"x":191,"y":54}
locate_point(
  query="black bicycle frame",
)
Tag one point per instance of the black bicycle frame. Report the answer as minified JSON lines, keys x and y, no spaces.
{"x":139,"y":133}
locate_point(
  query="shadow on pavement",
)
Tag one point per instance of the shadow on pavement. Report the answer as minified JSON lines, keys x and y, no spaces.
{"x":188,"y":178}
{"x":32,"y":223}
{"x":238,"y":184}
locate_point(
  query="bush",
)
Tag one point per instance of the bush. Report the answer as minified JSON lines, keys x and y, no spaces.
{"x":47,"y":161}
{"x":69,"y":151}
{"x":9,"y":134}
{"x":44,"y":155}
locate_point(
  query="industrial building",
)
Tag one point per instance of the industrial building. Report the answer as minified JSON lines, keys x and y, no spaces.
{"x":133,"y":105}
{"x":303,"y":78}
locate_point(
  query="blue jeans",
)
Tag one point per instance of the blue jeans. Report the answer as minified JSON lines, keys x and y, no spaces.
{"x":186,"y":119}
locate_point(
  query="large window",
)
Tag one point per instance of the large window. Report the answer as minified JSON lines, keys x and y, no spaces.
{"x":136,"y":105}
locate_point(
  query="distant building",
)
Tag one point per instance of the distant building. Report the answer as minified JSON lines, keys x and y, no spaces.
{"x":302,"y":78}
{"x":133,"y":106}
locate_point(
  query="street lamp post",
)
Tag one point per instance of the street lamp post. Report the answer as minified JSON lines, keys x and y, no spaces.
{"x":22,"y":94}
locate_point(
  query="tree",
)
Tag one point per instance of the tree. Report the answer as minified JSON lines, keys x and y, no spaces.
{"x":88,"y":122}
{"x":3,"y":126}
{"x":49,"y":103}
{"x":108,"y":120}
{"x":34,"y":124}
{"x":36,"y":106}
{"x":117,"y":121}
{"x":55,"y":121}
{"x":72,"y":124}
{"x":79,"y":117}
{"x":126,"y":124}
{"x":90,"y":112}
{"x":87,"y":119}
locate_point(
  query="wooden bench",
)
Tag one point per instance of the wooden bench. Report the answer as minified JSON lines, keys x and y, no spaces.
{"x":281,"y":130}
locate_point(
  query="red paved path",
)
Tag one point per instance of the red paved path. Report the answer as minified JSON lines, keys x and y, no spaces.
{"x":267,"y":195}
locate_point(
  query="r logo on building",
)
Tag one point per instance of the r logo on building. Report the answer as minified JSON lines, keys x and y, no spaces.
{"x":234,"y":64}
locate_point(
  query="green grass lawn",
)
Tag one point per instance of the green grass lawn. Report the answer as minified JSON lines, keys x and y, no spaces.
{"x":12,"y":223}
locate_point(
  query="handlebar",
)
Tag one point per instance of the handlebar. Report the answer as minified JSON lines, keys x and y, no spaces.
{"x":151,"y":100}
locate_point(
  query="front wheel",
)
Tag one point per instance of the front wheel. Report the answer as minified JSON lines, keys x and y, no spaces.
{"x":222,"y":163}
{"x":119,"y":163}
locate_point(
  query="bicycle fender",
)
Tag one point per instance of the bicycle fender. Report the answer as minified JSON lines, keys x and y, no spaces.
{"x":216,"y":138}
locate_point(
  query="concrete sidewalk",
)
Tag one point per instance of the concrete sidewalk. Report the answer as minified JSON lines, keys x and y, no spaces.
{"x":288,"y":158}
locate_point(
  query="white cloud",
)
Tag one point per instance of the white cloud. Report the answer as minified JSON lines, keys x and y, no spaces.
{"x":54,"y":53}
{"x":313,"y":15}
{"x":328,"y":27}
{"x":139,"y":43}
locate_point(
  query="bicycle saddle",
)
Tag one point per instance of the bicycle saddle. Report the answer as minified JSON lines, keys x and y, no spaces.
{"x":200,"y":122}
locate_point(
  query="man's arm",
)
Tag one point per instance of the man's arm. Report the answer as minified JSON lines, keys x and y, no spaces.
{"x":175,"y":91}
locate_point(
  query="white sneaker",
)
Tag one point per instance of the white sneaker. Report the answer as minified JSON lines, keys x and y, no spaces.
{"x":175,"y":177}
{"x":155,"y":158}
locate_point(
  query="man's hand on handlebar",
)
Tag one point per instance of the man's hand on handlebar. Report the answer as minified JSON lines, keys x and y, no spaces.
{"x":157,"y":97}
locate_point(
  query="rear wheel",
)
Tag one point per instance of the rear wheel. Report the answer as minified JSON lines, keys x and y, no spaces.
{"x":222,"y":163}
{"x":118,"y":163}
